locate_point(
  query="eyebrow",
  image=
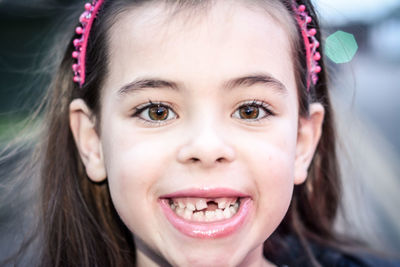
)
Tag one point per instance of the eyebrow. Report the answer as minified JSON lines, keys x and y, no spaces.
{"x":143,"y":83}
{"x":245,"y":81}
{"x":260,"y":78}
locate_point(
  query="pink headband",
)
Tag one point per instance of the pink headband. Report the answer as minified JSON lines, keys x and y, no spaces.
{"x":91,"y":10}
{"x":86,"y":20}
{"x":310,"y":43}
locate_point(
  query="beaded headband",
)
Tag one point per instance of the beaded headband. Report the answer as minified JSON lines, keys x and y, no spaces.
{"x":311,"y":44}
{"x":86,"y":20}
{"x":91,"y":10}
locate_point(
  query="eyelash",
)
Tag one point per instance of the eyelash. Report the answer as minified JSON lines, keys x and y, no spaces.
{"x":141,"y":108}
{"x":258,"y":104}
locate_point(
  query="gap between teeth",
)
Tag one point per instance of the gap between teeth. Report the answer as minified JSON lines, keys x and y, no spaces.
{"x":185,"y":208}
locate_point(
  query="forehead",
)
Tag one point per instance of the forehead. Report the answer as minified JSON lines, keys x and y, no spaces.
{"x":198,"y":48}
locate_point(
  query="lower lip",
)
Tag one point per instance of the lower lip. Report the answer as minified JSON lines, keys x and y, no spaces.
{"x":205,"y":230}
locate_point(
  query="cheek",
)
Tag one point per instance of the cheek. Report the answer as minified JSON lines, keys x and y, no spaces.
{"x":133,"y":168}
{"x":275,"y":188}
{"x":276,"y":184}
{"x":271,"y":153}
{"x":275,"y":174}
{"x":270,"y":159}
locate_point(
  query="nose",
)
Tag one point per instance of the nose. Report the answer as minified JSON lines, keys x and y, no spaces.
{"x":206,"y":147}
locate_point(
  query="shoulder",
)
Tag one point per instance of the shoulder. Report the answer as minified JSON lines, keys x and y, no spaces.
{"x":333,"y":258}
{"x":295,"y":255}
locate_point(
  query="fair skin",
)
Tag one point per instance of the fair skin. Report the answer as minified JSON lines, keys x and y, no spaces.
{"x":204,"y":142}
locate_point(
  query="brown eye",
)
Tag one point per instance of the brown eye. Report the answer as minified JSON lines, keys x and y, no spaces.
{"x":158,"y":113}
{"x":155,"y":113}
{"x":249,"y":112}
{"x":253,"y":111}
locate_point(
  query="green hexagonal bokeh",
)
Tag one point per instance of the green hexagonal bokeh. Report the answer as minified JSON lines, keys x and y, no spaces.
{"x":340,"y":47}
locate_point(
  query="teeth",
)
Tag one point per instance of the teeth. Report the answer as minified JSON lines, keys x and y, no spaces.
{"x":219,"y":214}
{"x":222,"y":204}
{"x":187,"y":214}
{"x":179,"y":211}
{"x":190,"y":206}
{"x":232,"y":210}
{"x":201,"y":204}
{"x":210,"y":216}
{"x":198,"y":216}
{"x":181,"y":205}
{"x":227,"y":213}
{"x":194,"y":208}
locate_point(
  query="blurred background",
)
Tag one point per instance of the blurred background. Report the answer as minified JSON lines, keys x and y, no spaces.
{"x":366,"y":96}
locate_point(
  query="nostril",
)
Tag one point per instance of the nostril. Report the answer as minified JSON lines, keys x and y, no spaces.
{"x":220,"y":159}
{"x":194,"y":159}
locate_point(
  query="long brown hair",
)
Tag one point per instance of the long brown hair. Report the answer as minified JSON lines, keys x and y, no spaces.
{"x":80,"y":226}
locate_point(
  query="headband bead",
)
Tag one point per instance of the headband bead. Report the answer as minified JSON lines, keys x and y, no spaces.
{"x":86,"y":19}
{"x":311,"y":44}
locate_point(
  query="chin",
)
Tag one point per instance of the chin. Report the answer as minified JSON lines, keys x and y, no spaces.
{"x":222,"y":257}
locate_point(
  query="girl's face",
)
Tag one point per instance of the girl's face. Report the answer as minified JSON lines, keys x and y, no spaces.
{"x":200,"y":137}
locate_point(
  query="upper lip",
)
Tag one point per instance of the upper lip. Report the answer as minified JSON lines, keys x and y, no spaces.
{"x":206,"y":193}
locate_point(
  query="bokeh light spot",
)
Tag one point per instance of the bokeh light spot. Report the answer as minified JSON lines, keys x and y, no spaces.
{"x":340,"y":47}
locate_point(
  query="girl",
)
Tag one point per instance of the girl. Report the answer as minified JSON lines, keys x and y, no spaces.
{"x":191,"y":133}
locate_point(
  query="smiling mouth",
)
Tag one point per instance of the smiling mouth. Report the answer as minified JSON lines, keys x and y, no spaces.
{"x":207,"y":213}
{"x":205,"y":209}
